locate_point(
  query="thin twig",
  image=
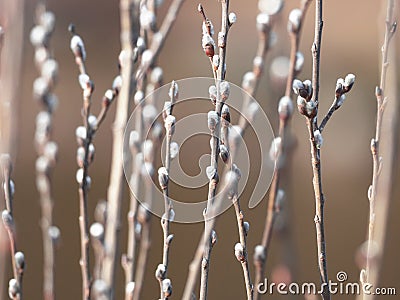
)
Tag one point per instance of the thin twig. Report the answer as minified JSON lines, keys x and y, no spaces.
{"x":46,"y":148}
{"x":215,"y":133}
{"x":12,"y":37}
{"x":315,"y":154}
{"x":114,"y":192}
{"x":229,"y":188}
{"x":285,"y":114}
{"x":380,"y":191}
{"x":85,"y":153}
{"x":163,"y":178}
{"x":17,"y":258}
{"x":243,"y":237}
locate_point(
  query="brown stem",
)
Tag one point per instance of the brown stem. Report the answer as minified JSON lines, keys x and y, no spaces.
{"x":283,"y":133}
{"x":214,"y":148}
{"x":315,"y":154}
{"x":114,"y":194}
{"x":242,"y":238}
{"x":382,"y":180}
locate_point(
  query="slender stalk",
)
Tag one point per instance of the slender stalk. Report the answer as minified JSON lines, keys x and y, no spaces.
{"x":163,"y":178}
{"x":114,"y":193}
{"x":284,"y":121}
{"x":230,"y":179}
{"x":85,"y":152}
{"x":215,"y":133}
{"x":380,"y":190}
{"x":17,"y":258}
{"x":11,"y":47}
{"x":315,"y":154}
{"x":46,"y":150}
{"x":243,"y":237}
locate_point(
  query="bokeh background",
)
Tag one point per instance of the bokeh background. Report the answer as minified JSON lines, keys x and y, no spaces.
{"x":351,"y":43}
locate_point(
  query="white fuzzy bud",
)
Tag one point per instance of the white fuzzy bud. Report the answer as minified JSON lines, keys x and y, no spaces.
{"x":117,"y":83}
{"x":148,"y":150}
{"x":231,"y":180}
{"x":147,"y":57}
{"x":138,"y":98}
{"x":239,"y":252}
{"x":370,"y":191}
{"x":206,"y":41}
{"x":259,"y":254}
{"x":48,"y":20}
{"x":263,"y":22}
{"x":246,"y":226}
{"x":7,"y":219}
{"x":50,"y":151}
{"x":294,"y":20}
{"x":214,"y":238}
{"x":80,"y":134}
{"x":258,"y":62}
{"x":147,"y":18}
{"x":212,"y":120}
{"x":173,"y":91}
{"x":276,"y":148}
{"x":100,"y":289}
{"x":285,"y":107}
{"x":280,"y":198}
{"x":40,"y":87}
{"x":311,"y":108}
{"x":248,"y":80}
{"x":80,"y":156}
{"x":163,"y":177}
{"x":174,"y":150}
{"x":129,"y":288}
{"x":160,"y":272}
{"x":49,"y":69}
{"x":211,"y":172}
{"x":19,"y":260}
{"x":270,"y":7}
{"x":108,"y":97}
{"x":79,"y":176}
{"x":225,"y":90}
{"x":215,"y":61}
{"x":169,"y":124}
{"x":13,"y":289}
{"x":212,"y":90}
{"x":38,"y":36}
{"x":97,"y":231}
{"x":318,"y":138}
{"x":167,"y":287}
{"x":41,"y":55}
{"x":149,"y":114}
{"x":299,"y":62}
{"x":232,"y":18}
{"x":77,"y":47}
{"x":297,"y":85}
{"x":54,"y":234}
{"x":84,"y":81}
{"x":156,"y":75}
{"x":134,"y":139}
{"x":349,"y":80}
{"x":141,"y":44}
{"x":92,"y":121}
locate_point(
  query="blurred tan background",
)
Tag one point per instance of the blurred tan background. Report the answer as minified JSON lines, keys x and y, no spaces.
{"x":351,"y":43}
